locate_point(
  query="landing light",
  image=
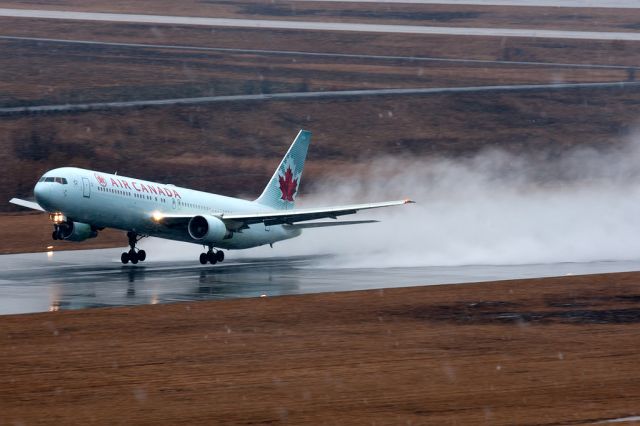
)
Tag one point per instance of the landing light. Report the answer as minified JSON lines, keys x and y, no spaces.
{"x":157,"y":216}
{"x":57,"y":217}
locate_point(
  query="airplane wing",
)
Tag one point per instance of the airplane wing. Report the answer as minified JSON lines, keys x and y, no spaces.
{"x":238,"y":221}
{"x":327,"y":224}
{"x":28,"y":204}
{"x":289,"y":217}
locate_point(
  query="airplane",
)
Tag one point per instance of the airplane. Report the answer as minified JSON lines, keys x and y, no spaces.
{"x":82,"y":202}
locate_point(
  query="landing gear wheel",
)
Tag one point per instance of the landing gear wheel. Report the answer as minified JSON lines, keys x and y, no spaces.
{"x":220,"y":256}
{"x":133,"y":256}
{"x":211,"y":257}
{"x":203,"y":258}
{"x":54,"y":235}
{"x":124,"y":258}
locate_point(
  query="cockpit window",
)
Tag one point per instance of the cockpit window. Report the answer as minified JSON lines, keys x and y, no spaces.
{"x":41,"y":179}
{"x":54,"y":179}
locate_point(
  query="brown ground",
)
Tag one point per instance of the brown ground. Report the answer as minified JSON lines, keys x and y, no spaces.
{"x":547,"y":351}
{"x":107,"y":73}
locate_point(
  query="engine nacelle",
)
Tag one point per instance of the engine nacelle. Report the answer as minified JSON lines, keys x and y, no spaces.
{"x":77,"y":231}
{"x":208,"y":229}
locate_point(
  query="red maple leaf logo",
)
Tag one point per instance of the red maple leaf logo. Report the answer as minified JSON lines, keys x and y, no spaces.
{"x":102,"y":181}
{"x":288,"y":185}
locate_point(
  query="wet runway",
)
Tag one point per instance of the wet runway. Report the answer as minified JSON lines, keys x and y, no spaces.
{"x":39,"y":282}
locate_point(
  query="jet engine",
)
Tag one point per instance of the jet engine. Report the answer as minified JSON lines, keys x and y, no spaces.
{"x":208,"y":229}
{"x":76,"y":231}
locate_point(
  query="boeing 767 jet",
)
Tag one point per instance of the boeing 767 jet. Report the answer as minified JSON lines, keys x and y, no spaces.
{"x":83,"y":202}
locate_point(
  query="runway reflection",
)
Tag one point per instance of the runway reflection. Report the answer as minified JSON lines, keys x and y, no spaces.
{"x":85,"y":286}
{"x":34,"y":283}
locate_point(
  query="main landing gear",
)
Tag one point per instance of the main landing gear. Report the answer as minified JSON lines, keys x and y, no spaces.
{"x":211,"y":256}
{"x":132,"y":255}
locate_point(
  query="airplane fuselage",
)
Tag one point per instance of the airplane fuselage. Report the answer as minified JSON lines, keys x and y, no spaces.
{"x":111,"y":201}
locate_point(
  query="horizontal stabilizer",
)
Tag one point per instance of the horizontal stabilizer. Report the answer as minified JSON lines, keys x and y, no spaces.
{"x":326,"y":224}
{"x":28,"y":204}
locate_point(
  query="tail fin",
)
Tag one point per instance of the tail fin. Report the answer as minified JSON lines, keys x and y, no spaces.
{"x":282,"y":189}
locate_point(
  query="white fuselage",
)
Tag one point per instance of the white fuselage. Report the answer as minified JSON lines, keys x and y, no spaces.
{"x":112,"y":201}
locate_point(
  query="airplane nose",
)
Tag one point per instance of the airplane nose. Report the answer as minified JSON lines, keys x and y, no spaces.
{"x":42,"y":192}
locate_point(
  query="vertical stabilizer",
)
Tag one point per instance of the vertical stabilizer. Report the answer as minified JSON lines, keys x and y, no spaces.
{"x":282,"y":189}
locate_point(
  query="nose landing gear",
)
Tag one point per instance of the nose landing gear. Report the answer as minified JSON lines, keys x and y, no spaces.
{"x":58,"y":226}
{"x":57,"y":233}
{"x":132,"y":255}
{"x":211,"y":256}
{"x":60,"y":231}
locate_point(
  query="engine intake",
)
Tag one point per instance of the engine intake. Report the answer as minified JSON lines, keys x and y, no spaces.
{"x":77,"y":231}
{"x":208,"y":229}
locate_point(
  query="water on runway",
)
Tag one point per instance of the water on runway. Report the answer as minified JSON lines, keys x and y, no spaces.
{"x":39,"y":282}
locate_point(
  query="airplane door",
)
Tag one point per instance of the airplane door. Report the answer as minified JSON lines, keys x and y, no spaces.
{"x":86,"y":188}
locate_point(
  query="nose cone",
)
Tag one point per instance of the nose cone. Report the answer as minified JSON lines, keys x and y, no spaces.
{"x":42,"y":192}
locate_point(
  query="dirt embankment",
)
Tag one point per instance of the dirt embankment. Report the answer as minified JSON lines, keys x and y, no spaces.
{"x":548,"y":351}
